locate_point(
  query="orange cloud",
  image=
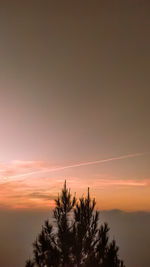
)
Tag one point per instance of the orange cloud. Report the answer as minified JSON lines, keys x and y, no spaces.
{"x":40,"y":193}
{"x":26,"y":184}
{"x":20,"y":169}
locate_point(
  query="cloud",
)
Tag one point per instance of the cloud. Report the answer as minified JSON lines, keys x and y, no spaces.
{"x":28,"y":194}
{"x":40,"y":193}
{"x":17,"y":170}
{"x":26,"y":164}
{"x":28,"y":184}
{"x":118,"y":182}
{"x":31,"y":168}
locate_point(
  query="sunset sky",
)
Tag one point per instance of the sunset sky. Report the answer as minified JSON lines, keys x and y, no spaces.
{"x":75,"y":102}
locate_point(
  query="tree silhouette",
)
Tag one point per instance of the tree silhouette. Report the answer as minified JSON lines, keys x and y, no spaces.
{"x":29,"y":263}
{"x":75,"y":239}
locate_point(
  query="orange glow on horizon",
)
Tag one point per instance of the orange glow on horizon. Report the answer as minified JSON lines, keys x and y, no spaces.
{"x":19,"y":191}
{"x":40,"y":195}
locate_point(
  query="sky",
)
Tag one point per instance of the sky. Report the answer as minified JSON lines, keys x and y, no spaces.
{"x":74,"y":89}
{"x":75,"y":106}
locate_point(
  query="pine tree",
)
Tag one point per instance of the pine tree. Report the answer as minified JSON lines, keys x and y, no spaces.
{"x":29,"y":264}
{"x":75,"y":239}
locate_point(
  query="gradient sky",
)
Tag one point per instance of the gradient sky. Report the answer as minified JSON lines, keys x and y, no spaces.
{"x":74,"y":88}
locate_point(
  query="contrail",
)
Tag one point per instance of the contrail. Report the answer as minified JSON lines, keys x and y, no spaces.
{"x":78,"y":165}
{"x":98,"y":161}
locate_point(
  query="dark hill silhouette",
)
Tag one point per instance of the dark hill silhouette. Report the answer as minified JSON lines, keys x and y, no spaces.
{"x":75,"y":239}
